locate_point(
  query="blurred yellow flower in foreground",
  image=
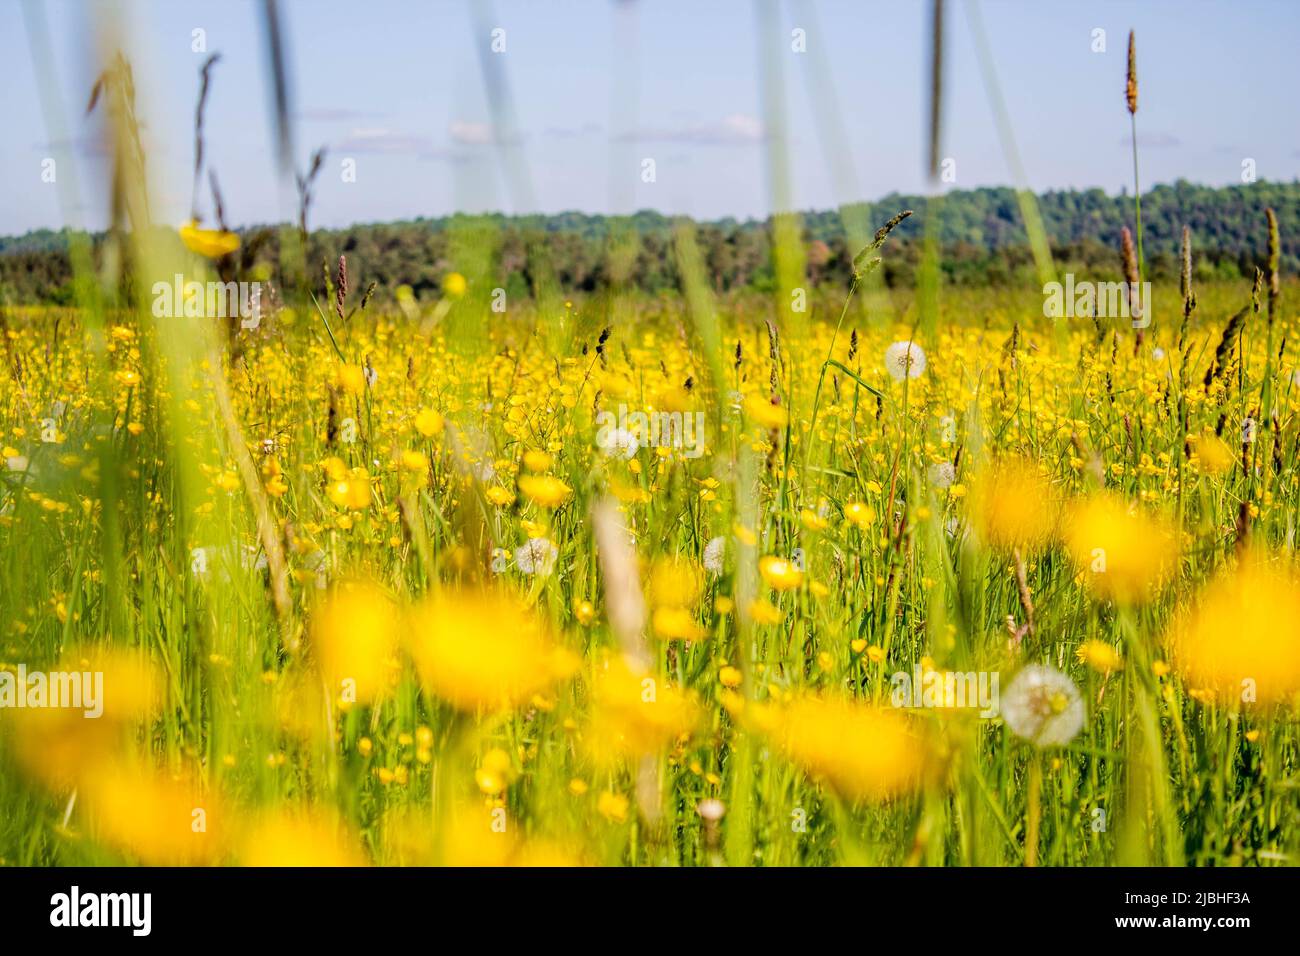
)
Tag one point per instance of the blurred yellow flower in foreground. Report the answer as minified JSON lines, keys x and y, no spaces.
{"x":634,"y":713}
{"x":779,"y":573}
{"x":60,"y":745}
{"x":674,"y":583}
{"x":537,"y":460}
{"x":1241,"y":639}
{"x":546,"y":491}
{"x":352,"y":379}
{"x":676,"y":624}
{"x":210,"y":243}
{"x":354,"y":633}
{"x":1213,"y":454}
{"x":283,"y":840}
{"x":474,"y":837}
{"x":480,"y":651}
{"x":859,"y":514}
{"x":352,"y":492}
{"x":1123,"y":553}
{"x":762,"y":412}
{"x":495,"y":772}
{"x":1013,"y":506}
{"x":1100,"y":656}
{"x":428,"y":422}
{"x":454,"y":284}
{"x":158,"y":820}
{"x":864,"y":752}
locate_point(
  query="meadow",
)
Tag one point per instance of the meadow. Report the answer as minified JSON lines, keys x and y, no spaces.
{"x":366,"y":588}
{"x":498,"y":573}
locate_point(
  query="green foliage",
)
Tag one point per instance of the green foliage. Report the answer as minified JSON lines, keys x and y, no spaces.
{"x":980,"y":230}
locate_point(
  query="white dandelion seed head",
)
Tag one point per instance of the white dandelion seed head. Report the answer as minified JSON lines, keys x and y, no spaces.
{"x":904,"y":360}
{"x":942,"y":474}
{"x":620,"y":443}
{"x":536,"y":556}
{"x":711,"y":809}
{"x":714,"y":554}
{"x":1043,"y":706}
{"x":1158,"y":354}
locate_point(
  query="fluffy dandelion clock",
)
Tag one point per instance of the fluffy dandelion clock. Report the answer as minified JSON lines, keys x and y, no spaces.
{"x":942,"y":474}
{"x":904,"y":360}
{"x":619,"y":443}
{"x":1042,"y":705}
{"x":536,"y":556}
{"x":714,"y":554}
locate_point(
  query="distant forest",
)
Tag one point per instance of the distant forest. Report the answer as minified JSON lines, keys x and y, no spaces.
{"x":981,"y":234}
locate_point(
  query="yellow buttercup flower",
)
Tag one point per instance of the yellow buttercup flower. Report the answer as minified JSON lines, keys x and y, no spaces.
{"x":674,"y":583}
{"x":209,"y":243}
{"x":780,"y":573}
{"x":428,"y":422}
{"x":479,"y":651}
{"x":1100,"y":656}
{"x":584,"y":612}
{"x":1213,"y":454}
{"x":676,"y":624}
{"x":454,"y":284}
{"x":537,"y":460}
{"x":158,"y":820}
{"x":354,"y":633}
{"x":495,"y":772}
{"x":1013,"y":506}
{"x":546,"y":491}
{"x":764,"y":612}
{"x":612,"y":806}
{"x":291,"y":840}
{"x":352,"y":379}
{"x":1241,"y":638}
{"x":763,"y":413}
{"x":351,"y":492}
{"x":634,"y":712}
{"x":864,"y":752}
{"x":1122,"y":553}
{"x":859,"y":514}
{"x":413,"y":461}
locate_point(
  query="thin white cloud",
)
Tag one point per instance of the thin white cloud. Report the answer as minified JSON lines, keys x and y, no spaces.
{"x":470,"y":133}
{"x":382,"y":140}
{"x":330,"y":114}
{"x":736,"y":129}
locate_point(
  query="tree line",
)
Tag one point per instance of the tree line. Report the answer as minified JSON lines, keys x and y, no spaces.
{"x":980,"y":231}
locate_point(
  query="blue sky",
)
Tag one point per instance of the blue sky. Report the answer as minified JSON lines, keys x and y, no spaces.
{"x":599,"y":86}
